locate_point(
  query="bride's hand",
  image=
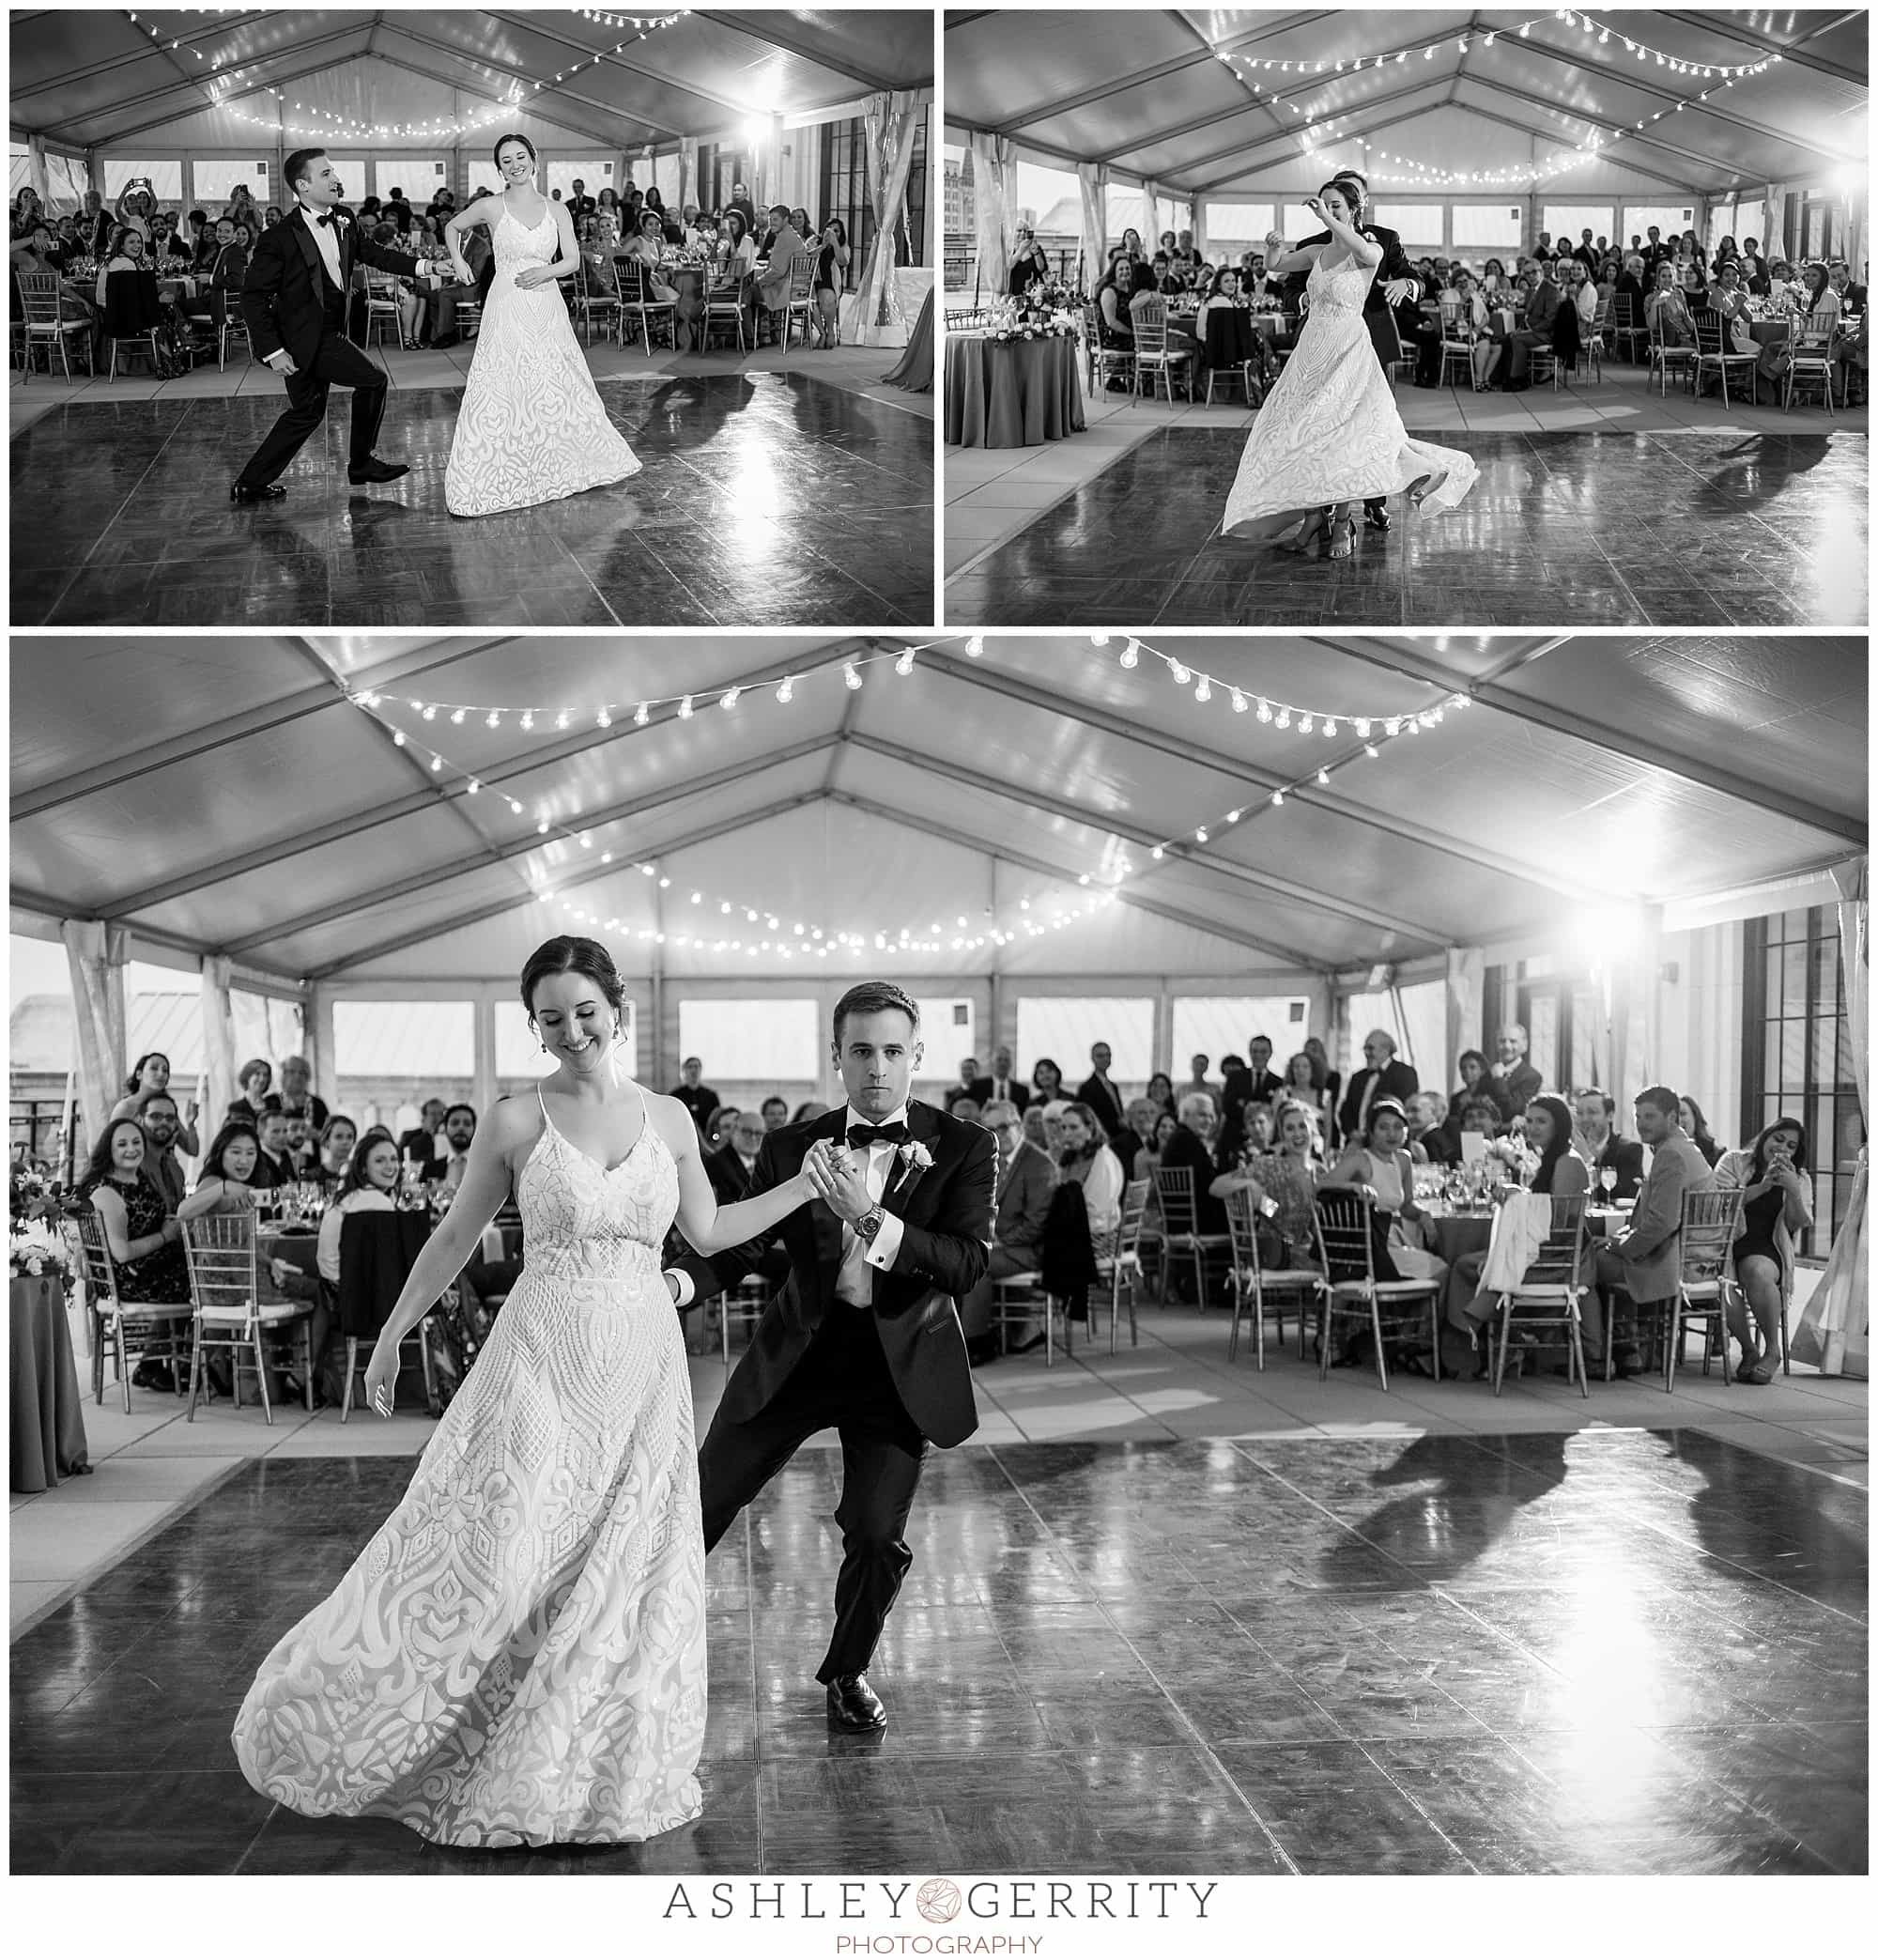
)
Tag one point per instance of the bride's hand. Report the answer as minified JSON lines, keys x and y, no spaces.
{"x":381,"y":1374}
{"x":1315,"y":207}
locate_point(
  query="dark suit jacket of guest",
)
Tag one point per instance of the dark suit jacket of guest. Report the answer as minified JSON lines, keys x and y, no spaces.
{"x":1650,"y":1249}
{"x":947,"y":1213}
{"x":1185,"y":1151}
{"x":1105,"y":1100}
{"x":1376,"y":314}
{"x":731,"y":1184}
{"x":979,"y":1091}
{"x":1542,"y":310}
{"x":1398,"y":1080}
{"x":1511,"y":1092}
{"x":1016,"y":1093}
{"x":286,"y":295}
{"x":420,"y":1144}
{"x":1024,"y":1185}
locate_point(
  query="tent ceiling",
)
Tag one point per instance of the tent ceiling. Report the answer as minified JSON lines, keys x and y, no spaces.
{"x":1145,"y":93}
{"x":90,"y":79}
{"x":1588,"y":770}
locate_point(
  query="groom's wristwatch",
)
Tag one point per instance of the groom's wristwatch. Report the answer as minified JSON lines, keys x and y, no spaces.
{"x":866,"y":1227}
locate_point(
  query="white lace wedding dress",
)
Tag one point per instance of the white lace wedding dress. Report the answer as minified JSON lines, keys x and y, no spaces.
{"x":532,"y":427}
{"x":1328,"y":431}
{"x":517,"y":1657}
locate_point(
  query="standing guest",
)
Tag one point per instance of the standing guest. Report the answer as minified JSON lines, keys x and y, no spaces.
{"x":1029,"y":265}
{"x":1381,"y":1075}
{"x":1754,"y":267}
{"x":1771,"y":1176}
{"x":422,"y":1146}
{"x":1645,"y":1259}
{"x":1260,"y":1083}
{"x":970,"y":1084}
{"x":1695,"y":1127}
{"x":255,"y":1100}
{"x":775,"y":1112}
{"x":1513,"y":1081}
{"x":1026,"y":1179}
{"x":1603,"y":1149}
{"x":1301,"y":1084}
{"x":151,"y":1078}
{"x":1427,"y":1112}
{"x":162,"y":1127}
{"x":1322,"y":1075}
{"x":1197,"y":1083}
{"x":1376,"y":1162}
{"x":146,"y":1242}
{"x":1084,"y":1158}
{"x":1005,"y":1087}
{"x":831,"y":263}
{"x":459,"y":1133}
{"x":692,"y":1093}
{"x":1101,"y":1096}
{"x":297,"y":1096}
{"x":1046,"y":1081}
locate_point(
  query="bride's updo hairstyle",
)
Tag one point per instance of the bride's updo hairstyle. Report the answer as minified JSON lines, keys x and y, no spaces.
{"x":1352,"y":194}
{"x":514,"y":136}
{"x":566,"y":954}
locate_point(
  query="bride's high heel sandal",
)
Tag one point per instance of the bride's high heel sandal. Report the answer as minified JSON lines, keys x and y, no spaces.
{"x":1314,"y":529}
{"x":1343,"y":536}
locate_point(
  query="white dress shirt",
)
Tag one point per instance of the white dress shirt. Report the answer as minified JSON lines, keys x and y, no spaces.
{"x":325,"y":236}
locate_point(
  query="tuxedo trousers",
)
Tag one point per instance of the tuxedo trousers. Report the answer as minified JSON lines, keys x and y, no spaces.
{"x":841,"y":1383}
{"x":337,"y":364}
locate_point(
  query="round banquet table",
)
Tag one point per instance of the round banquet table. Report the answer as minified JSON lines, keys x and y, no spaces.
{"x":47,"y":1441}
{"x":1010,"y":394}
{"x":1458,"y":1233}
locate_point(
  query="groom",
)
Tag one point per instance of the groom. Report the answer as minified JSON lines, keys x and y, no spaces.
{"x":864,"y":1335}
{"x":294,"y":304}
{"x":1393,"y":282}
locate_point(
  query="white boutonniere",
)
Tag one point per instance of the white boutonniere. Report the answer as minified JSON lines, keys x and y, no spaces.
{"x":915,"y":1156}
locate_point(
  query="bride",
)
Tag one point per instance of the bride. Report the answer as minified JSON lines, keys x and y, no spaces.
{"x":517,"y":1656}
{"x":1329,"y":435}
{"x":531,"y":427}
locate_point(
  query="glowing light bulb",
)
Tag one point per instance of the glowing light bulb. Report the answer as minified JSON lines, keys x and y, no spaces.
{"x":975,"y":646}
{"x":731,"y":695}
{"x":904,"y":664}
{"x":1239,"y":702}
{"x":603,"y":720}
{"x":1205,"y":690}
{"x":786,"y":693}
{"x":684,"y":709}
{"x":851,"y":675}
{"x":1131,"y":654}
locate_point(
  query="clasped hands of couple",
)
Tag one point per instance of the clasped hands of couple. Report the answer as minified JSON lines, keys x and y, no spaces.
{"x":830,"y":1172}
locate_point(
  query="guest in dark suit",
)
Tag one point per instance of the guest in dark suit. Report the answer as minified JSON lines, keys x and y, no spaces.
{"x":1542,"y":309}
{"x":691,"y":1090}
{"x":1005,"y":1085}
{"x":1101,"y":1095}
{"x":419,"y":1146}
{"x":1191,"y":1148}
{"x":864,"y":1337}
{"x":294,"y":304}
{"x":1513,"y":1081}
{"x":971,"y":1086}
{"x":733,"y":1170}
{"x":1381,"y":1075}
{"x":1026,"y":1179}
{"x":1603,"y":1149}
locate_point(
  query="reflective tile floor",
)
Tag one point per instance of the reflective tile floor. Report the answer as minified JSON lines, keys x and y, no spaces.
{"x":1619,"y":1651}
{"x":765,"y":500}
{"x":1685,"y":530}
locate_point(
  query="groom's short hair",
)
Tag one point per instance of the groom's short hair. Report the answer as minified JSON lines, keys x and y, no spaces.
{"x":299,"y":166}
{"x":875,"y":997}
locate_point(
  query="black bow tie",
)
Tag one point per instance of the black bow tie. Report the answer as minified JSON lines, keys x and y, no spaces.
{"x":321,"y":218}
{"x":862,"y":1135}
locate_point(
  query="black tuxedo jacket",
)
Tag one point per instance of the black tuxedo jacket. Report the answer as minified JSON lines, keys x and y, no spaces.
{"x":1376,"y":314}
{"x":946,"y":1213}
{"x":1398,"y":1080}
{"x":1106,"y":1100}
{"x":283,"y":299}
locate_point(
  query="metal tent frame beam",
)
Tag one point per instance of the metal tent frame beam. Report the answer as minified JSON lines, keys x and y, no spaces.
{"x":797,"y":45}
{"x":1728,"y":27}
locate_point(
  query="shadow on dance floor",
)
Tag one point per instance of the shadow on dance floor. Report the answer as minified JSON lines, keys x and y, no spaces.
{"x":765,"y":500}
{"x":1684,"y":529}
{"x":1621,"y":1651}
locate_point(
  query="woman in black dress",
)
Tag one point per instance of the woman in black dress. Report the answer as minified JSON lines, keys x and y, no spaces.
{"x":146,"y":1242}
{"x":1771,"y":1176}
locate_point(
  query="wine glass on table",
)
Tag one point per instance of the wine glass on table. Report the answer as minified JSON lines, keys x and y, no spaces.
{"x":1607,"y":1179}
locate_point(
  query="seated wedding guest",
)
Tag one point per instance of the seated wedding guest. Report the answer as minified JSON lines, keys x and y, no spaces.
{"x":296,"y":1093}
{"x":831,"y":263}
{"x":1754,"y":267}
{"x":302,"y":1147}
{"x":338,"y":1135}
{"x":1428,"y":1113}
{"x":1029,"y":265}
{"x":227,"y":1184}
{"x":1191,"y":1148}
{"x":134,"y":212}
{"x":1084,"y":1158}
{"x":271,"y":1168}
{"x":1695,"y":1127}
{"x":422,"y":1146}
{"x":229,"y":273}
{"x":1381,"y":1075}
{"x":1377,"y":1161}
{"x":736,"y":250}
{"x":254,"y":1100}
{"x":1113,"y":322}
{"x":274,"y":218}
{"x":411,"y":301}
{"x":25,"y":211}
{"x":1046,"y":1081}
{"x":1222,"y":295}
{"x":1474,"y":324}
{"x":1729,"y":300}
{"x":1629,"y":286}
{"x":146,"y":1242}
{"x":1142,"y":286}
{"x":717,"y":1125}
{"x":1645,"y":1259}
{"x":1666,"y":312}
{"x":1850,"y":294}
{"x":1472,"y":1068}
{"x":1603,"y":1149}
{"x":1849,"y":360}
{"x":131,"y":253}
{"x":1285,"y":1174}
{"x":1159,"y":1091}
{"x":151,"y":1077}
{"x":1816,"y":295}
{"x":1512,"y":1081}
{"x":1581,"y":293}
{"x":369,"y":1184}
{"x":1479,"y":1116}
{"x":970,"y":1083}
{"x":1542,"y":300}
{"x":1153,"y":1153}
{"x":36,"y":255}
{"x":775,"y":1112}
{"x":1026,"y":1179}
{"x":772,"y":290}
{"x":1494,"y":281}
{"x":1167,"y":282}
{"x":1771,"y":1176}
{"x":1131,"y":246}
{"x":966,"y":1110}
{"x":730,"y":1170}
{"x":1036,"y":1128}
{"x":1135,"y":1137}
{"x":161,"y":1126}
{"x":648,"y":248}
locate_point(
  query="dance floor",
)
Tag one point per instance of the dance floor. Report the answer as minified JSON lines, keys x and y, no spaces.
{"x":766,"y":500}
{"x":1614,"y":1651}
{"x":1743,"y":529}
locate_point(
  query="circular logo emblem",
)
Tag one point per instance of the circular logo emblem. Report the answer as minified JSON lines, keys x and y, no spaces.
{"x":939,"y":1901}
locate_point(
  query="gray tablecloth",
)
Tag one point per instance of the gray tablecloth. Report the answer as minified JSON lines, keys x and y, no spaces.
{"x":48,"y":1434}
{"x":1011,"y":395}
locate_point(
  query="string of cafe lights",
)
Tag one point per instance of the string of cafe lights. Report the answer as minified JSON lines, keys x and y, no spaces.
{"x":514,"y":95}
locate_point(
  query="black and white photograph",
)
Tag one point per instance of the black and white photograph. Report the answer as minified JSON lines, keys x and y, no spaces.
{"x":1406,"y":317}
{"x":447,"y":317}
{"x":1104,"y":1256}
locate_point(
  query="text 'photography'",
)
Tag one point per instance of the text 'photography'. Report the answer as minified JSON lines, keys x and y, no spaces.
{"x":966,"y":1257}
{"x":1406,"y":317}
{"x":451,"y":317}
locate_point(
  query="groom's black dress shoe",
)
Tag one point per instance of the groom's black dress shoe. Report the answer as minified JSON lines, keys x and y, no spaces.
{"x":1375,"y":517}
{"x":852,"y":1704}
{"x":256,"y":493}
{"x":373,"y":472}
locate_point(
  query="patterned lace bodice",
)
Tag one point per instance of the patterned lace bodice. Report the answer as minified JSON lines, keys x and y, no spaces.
{"x":517,"y":244}
{"x":1341,"y":289}
{"x":583,"y":1220}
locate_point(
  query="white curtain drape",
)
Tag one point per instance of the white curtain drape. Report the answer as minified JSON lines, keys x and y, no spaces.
{"x":95,"y":955}
{"x":1854,"y":960}
{"x":1774,"y":218}
{"x":1150,"y":218}
{"x":1200,"y":227}
{"x":990,"y":192}
{"x":891,"y":123}
{"x":1467,"y":974}
{"x":218,"y":1046}
{"x":687,"y":174}
{"x":1092,"y":184}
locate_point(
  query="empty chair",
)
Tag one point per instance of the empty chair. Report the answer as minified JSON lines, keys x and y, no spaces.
{"x":1180,"y":1232}
{"x":1551,"y":1292}
{"x":230,"y":1314}
{"x":1393,"y":1310}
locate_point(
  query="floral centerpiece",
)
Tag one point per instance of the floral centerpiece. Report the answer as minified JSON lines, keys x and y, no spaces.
{"x":1011,"y":323}
{"x":36,"y":1252}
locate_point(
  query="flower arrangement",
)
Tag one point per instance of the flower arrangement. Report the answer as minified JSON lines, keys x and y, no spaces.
{"x":1512,"y":1155}
{"x":35,"y":1253}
